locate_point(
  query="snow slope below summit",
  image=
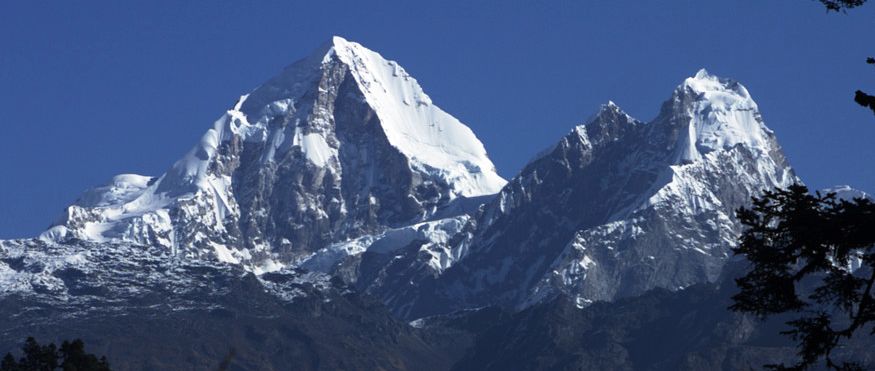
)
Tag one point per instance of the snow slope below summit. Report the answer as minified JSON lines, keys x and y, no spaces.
{"x":123,"y":188}
{"x":416,"y":127}
{"x":435,"y":237}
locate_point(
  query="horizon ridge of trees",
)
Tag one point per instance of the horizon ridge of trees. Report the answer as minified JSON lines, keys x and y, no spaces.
{"x":71,"y":356}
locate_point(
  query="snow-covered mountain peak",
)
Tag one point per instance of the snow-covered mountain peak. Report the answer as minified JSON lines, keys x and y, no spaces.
{"x":717,"y":114}
{"x":432,"y":139}
{"x":609,"y":108}
{"x":608,"y":124}
{"x":339,"y":144}
{"x":703,"y":82}
{"x":368,"y":65}
{"x":414,"y":125}
{"x":702,"y":75}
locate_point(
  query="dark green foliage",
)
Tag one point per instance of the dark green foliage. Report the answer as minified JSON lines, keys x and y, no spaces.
{"x":802,"y":248}
{"x":38,"y":357}
{"x":9,"y":363}
{"x":75,"y":358}
{"x":841,"y":5}
{"x":70,"y":357}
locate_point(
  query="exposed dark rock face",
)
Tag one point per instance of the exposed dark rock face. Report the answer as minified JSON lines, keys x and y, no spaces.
{"x":339,"y":145}
{"x":335,"y":203}
{"x":619,"y":207}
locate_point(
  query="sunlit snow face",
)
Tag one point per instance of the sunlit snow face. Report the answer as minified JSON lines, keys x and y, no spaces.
{"x":197,"y":202}
{"x":723,"y":115}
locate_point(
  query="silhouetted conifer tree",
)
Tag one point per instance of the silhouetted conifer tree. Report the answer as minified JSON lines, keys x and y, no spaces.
{"x":811,"y":255}
{"x":70,"y":357}
{"x":8,"y":363}
{"x":841,"y":5}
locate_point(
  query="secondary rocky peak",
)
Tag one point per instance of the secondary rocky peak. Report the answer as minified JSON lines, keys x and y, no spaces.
{"x":618,"y":207}
{"x":609,"y":124}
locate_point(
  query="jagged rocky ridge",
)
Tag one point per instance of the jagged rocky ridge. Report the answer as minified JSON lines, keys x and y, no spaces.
{"x":615,"y":208}
{"x":341,"y":144}
{"x":340,"y":177}
{"x":342,"y":165}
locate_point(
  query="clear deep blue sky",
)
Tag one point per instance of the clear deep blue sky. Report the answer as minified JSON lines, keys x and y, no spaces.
{"x":93,"y":89}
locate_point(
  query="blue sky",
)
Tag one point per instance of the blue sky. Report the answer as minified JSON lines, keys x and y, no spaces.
{"x":93,"y":89}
